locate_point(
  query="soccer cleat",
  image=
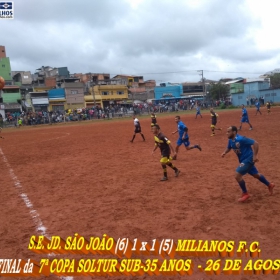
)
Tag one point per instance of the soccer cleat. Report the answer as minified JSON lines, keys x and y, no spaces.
{"x":270,"y":188}
{"x":251,"y":128}
{"x":213,"y":134}
{"x":164,"y":179}
{"x":177,"y":173}
{"x":174,"y":157}
{"x":199,"y":147}
{"x":244,"y":197}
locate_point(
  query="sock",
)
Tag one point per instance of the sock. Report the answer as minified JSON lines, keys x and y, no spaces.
{"x":133,"y":138}
{"x":172,"y":166}
{"x":143,"y":136}
{"x":263,"y":180}
{"x":164,"y":170}
{"x":243,"y":186}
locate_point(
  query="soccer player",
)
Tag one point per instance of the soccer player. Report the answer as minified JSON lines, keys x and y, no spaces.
{"x":137,"y":129}
{"x":247,"y":157}
{"x":198,"y":111}
{"x":153,"y":119}
{"x":165,"y":146}
{"x":244,"y":118}
{"x":214,"y":119}
{"x":258,"y":105}
{"x":268,"y":105}
{"x":0,"y":132}
{"x":183,"y":137}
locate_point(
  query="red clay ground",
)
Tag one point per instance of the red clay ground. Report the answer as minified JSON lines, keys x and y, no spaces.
{"x":89,"y":179}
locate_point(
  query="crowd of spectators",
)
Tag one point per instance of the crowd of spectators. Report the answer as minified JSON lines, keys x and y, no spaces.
{"x":96,"y":112}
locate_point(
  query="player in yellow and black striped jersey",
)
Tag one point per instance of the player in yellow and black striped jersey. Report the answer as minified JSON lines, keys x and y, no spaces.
{"x":268,"y":106}
{"x":214,"y":119}
{"x":165,"y":146}
{"x":153,"y":119}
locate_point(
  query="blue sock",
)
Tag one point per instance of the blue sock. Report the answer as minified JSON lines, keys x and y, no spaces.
{"x":263,"y":180}
{"x":195,"y":146}
{"x":242,"y":186}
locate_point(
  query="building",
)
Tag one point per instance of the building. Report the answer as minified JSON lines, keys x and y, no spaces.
{"x":46,"y":75}
{"x":106,"y":95}
{"x":11,"y":99}
{"x":74,"y":94}
{"x":40,"y":101}
{"x":260,"y":90}
{"x":23,"y":79}
{"x":57,"y":99}
{"x":5,"y":66}
{"x":168,"y":91}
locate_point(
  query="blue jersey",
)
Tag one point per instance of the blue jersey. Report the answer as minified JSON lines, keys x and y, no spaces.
{"x":257,"y":105}
{"x":242,"y":147}
{"x":244,"y":112}
{"x":181,"y":129}
{"x":198,"y":110}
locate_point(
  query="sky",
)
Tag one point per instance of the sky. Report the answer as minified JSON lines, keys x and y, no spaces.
{"x":164,"y":40}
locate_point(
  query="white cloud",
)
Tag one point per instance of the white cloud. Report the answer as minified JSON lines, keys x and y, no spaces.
{"x":145,"y":36}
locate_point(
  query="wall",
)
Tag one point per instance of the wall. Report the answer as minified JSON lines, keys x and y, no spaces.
{"x":5,"y":69}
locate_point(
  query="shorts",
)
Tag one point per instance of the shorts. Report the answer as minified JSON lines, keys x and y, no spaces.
{"x":213,"y":125}
{"x":198,"y":113}
{"x":165,"y":159}
{"x":248,"y":167}
{"x":152,"y":124}
{"x":245,"y":119}
{"x":186,"y":142}
{"x":137,"y":130}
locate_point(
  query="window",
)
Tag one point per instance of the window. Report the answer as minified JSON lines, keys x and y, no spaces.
{"x":267,"y":94}
{"x":120,"y":92}
{"x":239,"y":97}
{"x":74,"y":92}
{"x":105,"y":93}
{"x":274,"y":94}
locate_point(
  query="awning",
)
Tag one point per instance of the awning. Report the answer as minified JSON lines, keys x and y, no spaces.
{"x":40,"y":101}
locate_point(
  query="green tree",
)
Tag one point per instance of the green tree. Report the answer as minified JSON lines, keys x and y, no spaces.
{"x":219,"y":91}
{"x":275,"y":80}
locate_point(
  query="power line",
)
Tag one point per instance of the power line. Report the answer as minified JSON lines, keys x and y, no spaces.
{"x":213,"y":71}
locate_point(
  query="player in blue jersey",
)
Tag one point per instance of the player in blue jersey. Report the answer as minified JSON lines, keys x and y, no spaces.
{"x":245,"y":118}
{"x":198,"y":111}
{"x":0,"y":132}
{"x":183,"y":137}
{"x":258,"y":105}
{"x":246,"y":150}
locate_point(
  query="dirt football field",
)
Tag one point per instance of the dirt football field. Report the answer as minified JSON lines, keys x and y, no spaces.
{"x":87,"y":178}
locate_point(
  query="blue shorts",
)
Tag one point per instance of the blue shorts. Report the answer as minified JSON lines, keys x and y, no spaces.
{"x":186,"y":142}
{"x":198,"y":113}
{"x":247,"y":167}
{"x":245,"y":119}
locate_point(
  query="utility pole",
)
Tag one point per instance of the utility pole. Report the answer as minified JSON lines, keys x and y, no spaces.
{"x":203,"y":85}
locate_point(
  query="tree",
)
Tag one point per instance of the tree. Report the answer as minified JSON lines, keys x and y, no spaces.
{"x":219,"y":91}
{"x":275,"y":80}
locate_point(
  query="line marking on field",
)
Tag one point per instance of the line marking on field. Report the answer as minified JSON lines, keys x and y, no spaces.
{"x":41,"y":229}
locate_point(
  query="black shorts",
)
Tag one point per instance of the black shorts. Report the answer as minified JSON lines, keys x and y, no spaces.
{"x":137,"y":130}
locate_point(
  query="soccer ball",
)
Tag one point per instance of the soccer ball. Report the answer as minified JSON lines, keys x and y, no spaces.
{"x":2,"y":82}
